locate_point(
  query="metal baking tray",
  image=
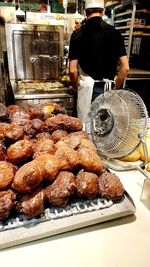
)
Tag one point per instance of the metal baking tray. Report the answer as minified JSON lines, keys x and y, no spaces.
{"x":78,"y":214}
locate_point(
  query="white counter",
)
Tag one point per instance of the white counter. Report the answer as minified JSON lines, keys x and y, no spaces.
{"x":122,"y":242}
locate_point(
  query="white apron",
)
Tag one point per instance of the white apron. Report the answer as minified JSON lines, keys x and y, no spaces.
{"x":84,"y":98}
{"x":85,"y":93}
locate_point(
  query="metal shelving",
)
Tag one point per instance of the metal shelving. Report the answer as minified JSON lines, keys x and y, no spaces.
{"x":132,"y":19}
{"x":129,"y":19}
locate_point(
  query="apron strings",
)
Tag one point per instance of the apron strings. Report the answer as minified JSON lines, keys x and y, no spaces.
{"x":108,"y":84}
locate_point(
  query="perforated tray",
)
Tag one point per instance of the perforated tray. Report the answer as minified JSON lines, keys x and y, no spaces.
{"x":77,"y":214}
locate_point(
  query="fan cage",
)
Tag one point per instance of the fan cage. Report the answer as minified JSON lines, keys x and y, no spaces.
{"x":130,"y":123}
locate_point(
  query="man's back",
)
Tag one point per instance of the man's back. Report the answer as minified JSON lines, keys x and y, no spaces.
{"x":97,"y":46}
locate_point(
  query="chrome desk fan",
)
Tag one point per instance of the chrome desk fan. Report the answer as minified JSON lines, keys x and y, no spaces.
{"x":117,"y":124}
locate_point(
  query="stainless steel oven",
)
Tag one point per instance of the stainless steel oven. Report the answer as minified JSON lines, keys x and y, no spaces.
{"x":36,"y":58}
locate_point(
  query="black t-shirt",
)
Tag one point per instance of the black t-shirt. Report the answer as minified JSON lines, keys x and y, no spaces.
{"x":97,"y":46}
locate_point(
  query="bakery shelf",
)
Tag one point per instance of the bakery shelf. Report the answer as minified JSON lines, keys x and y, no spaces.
{"x":123,"y":27}
{"x":123,"y":14}
{"x":122,"y":20}
{"x":140,"y":34}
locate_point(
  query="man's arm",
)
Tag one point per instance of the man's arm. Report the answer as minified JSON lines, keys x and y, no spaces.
{"x":73,"y":73}
{"x":123,"y":71}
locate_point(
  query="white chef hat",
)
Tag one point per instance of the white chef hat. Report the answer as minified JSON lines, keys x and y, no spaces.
{"x":94,"y":4}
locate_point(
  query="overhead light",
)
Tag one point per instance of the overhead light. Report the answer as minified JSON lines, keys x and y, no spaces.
{"x":65,"y":3}
{"x":77,"y":15}
{"x":48,"y":7}
{"x":19,"y":12}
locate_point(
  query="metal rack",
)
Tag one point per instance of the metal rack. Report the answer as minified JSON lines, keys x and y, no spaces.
{"x":124,"y":22}
{"x":127,"y":22}
{"x":132,"y":19}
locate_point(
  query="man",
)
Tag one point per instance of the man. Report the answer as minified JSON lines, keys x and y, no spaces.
{"x":95,"y":51}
